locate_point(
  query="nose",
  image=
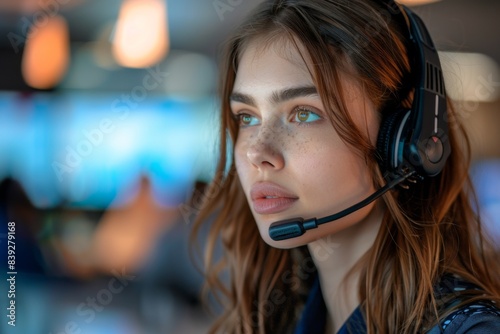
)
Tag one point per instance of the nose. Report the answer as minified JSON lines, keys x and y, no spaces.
{"x":265,"y":151}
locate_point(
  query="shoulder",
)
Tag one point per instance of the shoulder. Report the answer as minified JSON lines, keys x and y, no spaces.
{"x":472,"y":318}
{"x":475,"y":318}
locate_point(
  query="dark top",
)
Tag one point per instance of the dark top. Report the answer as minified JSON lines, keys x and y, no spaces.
{"x":474,"y":318}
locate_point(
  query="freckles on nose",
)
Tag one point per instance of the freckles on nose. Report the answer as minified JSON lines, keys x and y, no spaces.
{"x":265,"y":140}
{"x":266,"y":146}
{"x":278,"y":138}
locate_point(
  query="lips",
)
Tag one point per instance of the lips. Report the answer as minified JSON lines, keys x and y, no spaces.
{"x":270,"y":198}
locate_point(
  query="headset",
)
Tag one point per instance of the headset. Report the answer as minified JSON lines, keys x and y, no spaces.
{"x":416,"y":139}
{"x":412,"y":144}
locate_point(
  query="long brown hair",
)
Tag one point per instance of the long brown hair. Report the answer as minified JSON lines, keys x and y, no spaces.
{"x":428,"y":231}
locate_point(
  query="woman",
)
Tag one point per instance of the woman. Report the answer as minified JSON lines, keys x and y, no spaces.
{"x":305,"y":88}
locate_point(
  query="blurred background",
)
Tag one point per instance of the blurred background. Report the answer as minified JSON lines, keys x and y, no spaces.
{"x":107,"y":132}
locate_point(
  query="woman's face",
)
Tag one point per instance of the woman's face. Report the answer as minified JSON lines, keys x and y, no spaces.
{"x":289,"y":159}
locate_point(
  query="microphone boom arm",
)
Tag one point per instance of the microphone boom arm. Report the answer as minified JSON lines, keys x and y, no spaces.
{"x":295,"y":227}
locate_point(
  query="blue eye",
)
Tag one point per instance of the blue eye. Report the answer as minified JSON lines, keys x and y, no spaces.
{"x":247,"y":120}
{"x":305,"y":116}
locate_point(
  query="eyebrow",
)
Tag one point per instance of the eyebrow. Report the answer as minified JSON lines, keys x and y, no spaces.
{"x":277,"y":96}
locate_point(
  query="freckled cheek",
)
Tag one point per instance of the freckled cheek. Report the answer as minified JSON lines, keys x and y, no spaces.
{"x":242,"y":163}
{"x":308,"y":163}
{"x":322,"y":161}
{"x":239,"y":153}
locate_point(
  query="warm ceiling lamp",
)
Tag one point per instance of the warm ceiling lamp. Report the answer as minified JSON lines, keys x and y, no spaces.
{"x":46,"y":54}
{"x":141,"y":37}
{"x":416,"y":2}
{"x":470,"y":76}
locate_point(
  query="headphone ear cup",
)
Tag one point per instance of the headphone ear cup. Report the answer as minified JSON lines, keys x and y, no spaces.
{"x":389,"y":138}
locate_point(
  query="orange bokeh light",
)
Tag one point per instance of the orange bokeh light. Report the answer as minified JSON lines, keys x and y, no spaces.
{"x":46,"y":54}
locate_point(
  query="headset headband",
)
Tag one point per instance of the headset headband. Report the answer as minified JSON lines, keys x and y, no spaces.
{"x":417,"y":140}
